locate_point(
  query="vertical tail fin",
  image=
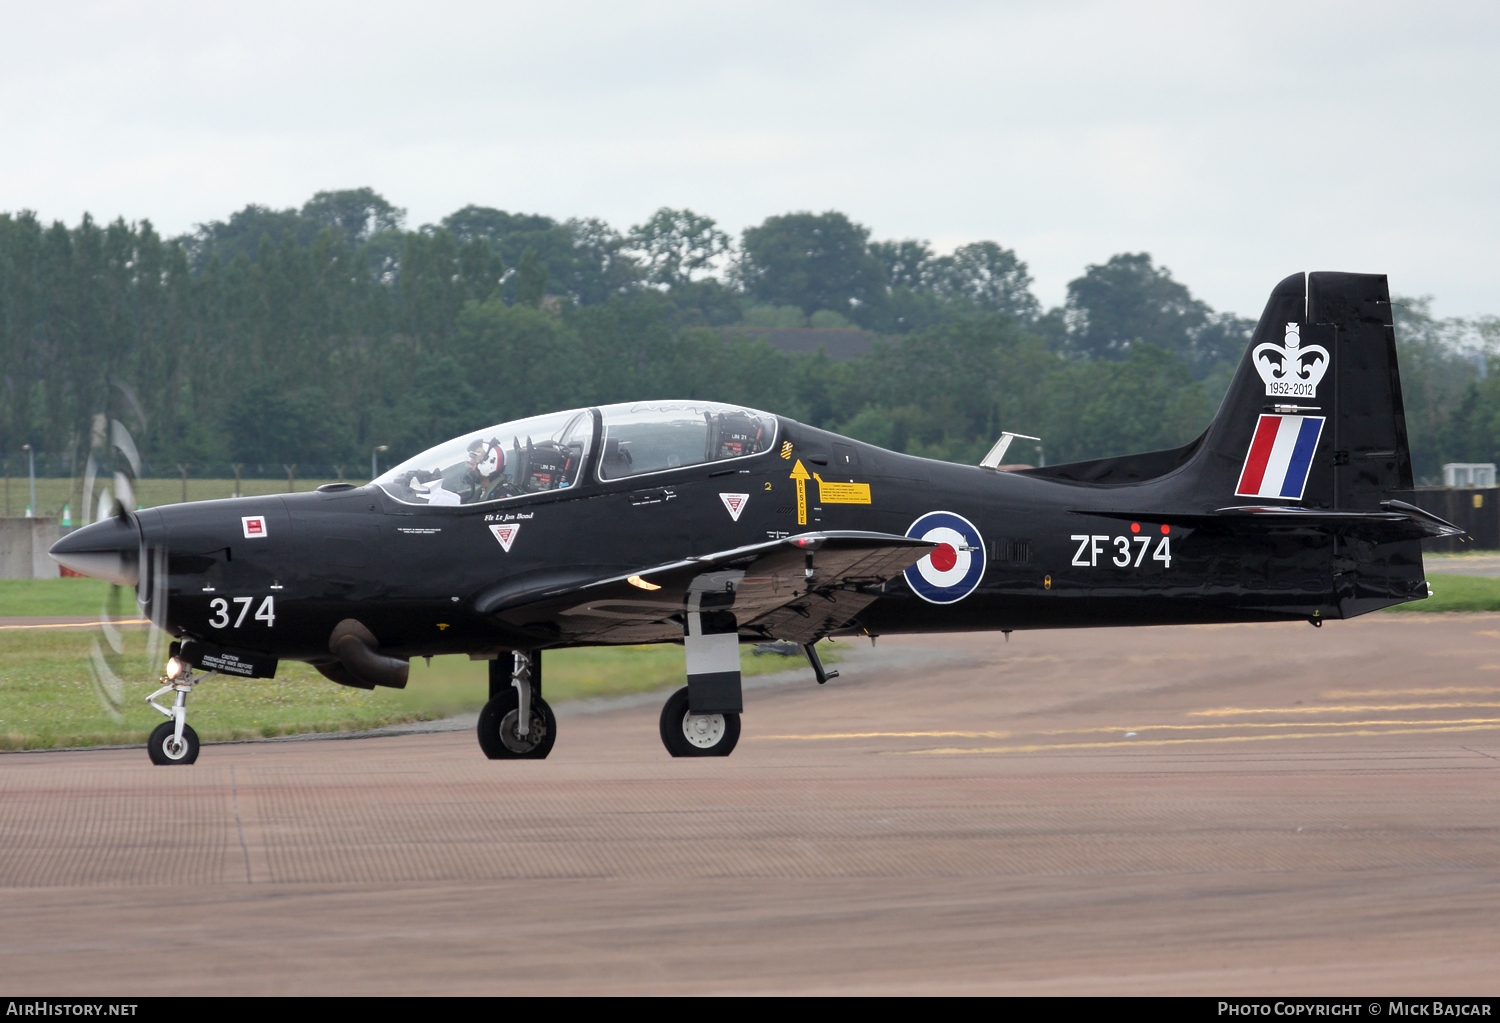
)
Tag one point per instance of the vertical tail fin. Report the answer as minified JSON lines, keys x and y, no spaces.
{"x":1312,"y":422}
{"x":1314,"y":415}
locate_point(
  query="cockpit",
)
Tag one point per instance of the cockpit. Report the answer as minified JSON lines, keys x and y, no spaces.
{"x":654,"y":436}
{"x":551,"y":452}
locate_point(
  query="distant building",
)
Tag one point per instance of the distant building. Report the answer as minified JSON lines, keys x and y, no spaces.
{"x":1464,"y":500}
{"x":23,"y":548}
{"x":839,"y":344}
{"x":1469,"y":474}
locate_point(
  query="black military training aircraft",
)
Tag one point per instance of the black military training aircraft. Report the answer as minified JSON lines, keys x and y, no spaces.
{"x":711,"y":525}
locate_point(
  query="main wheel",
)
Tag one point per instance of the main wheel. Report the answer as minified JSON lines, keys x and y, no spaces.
{"x":164,"y":748}
{"x":497,"y":729}
{"x":686,"y":734}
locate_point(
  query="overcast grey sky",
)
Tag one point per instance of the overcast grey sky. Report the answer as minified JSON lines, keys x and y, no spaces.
{"x":1236,"y":142}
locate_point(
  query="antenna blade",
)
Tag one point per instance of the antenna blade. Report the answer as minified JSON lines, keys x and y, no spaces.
{"x":997,"y":453}
{"x":992,"y":460}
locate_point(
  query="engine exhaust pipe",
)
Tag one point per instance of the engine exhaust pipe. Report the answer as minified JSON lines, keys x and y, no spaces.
{"x":361,"y":660}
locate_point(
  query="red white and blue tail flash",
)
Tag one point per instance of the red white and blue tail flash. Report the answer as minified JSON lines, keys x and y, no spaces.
{"x":1280,"y":457}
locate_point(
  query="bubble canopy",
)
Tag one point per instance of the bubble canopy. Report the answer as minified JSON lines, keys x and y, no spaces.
{"x":547,"y":453}
{"x":655,"y":436}
{"x":526,"y":456}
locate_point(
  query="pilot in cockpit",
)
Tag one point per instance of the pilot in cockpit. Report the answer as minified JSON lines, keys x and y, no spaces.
{"x":484,"y":475}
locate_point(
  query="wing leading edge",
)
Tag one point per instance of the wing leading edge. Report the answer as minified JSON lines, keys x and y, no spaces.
{"x":799,"y":588}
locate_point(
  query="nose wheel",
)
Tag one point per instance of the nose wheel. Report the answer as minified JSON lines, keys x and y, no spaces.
{"x":686,"y":734}
{"x":166,"y":747}
{"x":172,"y":741}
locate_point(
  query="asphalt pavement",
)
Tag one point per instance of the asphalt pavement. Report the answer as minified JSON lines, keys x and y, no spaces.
{"x":1223,"y":810}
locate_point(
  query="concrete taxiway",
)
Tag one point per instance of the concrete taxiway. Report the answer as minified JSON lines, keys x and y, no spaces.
{"x":1229,"y":810}
{"x":1487,"y":565}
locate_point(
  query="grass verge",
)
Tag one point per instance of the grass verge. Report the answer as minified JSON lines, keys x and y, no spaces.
{"x":59,"y":597}
{"x":49,"y":698}
{"x":1457,"y":593}
{"x":53,"y":493}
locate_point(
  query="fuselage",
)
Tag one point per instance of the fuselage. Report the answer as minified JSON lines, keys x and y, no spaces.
{"x":277,"y":573}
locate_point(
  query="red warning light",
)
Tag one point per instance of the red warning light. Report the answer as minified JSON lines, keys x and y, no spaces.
{"x":1135,"y":527}
{"x":1165,"y":529}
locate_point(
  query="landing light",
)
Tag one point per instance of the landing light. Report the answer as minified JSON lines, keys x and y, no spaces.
{"x":636,"y":580}
{"x":175,"y":668}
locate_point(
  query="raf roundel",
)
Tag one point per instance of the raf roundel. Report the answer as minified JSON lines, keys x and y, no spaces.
{"x":952,"y":571}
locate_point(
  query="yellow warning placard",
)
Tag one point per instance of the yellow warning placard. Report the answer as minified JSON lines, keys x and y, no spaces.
{"x":842,"y":493}
{"x":800,"y":475}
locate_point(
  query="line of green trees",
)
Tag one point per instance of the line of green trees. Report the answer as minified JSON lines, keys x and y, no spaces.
{"x":313,"y":335}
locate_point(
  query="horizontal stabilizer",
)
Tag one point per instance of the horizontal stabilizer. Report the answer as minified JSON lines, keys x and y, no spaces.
{"x":1397,"y":520}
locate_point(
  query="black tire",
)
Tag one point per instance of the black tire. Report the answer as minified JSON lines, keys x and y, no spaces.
{"x":497,"y":724}
{"x":706,"y":735}
{"x":162,"y":754}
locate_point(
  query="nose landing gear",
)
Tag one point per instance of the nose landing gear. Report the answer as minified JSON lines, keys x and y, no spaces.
{"x":173,"y":741}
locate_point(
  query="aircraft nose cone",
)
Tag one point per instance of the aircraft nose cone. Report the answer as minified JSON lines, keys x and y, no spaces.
{"x":109,"y":549}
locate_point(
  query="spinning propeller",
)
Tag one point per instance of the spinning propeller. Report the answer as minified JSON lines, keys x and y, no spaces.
{"x":113,"y":549}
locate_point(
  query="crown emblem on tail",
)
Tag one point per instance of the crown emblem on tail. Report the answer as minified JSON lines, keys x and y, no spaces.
{"x":1291,"y":369}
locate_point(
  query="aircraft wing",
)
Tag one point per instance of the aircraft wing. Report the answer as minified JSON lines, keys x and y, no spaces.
{"x":799,"y":588}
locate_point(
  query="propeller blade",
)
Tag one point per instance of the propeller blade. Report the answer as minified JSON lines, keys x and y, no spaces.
{"x":105,"y":664}
{"x":151,"y":594}
{"x":126,"y":444}
{"x":108,"y":686}
{"x":112,"y":548}
{"x":112,"y":635}
{"x":124,"y":494}
{"x":90,"y":471}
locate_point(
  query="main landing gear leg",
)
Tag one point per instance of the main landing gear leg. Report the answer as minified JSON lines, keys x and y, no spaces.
{"x":517,"y":724}
{"x":702,"y":719}
{"x":173,"y":741}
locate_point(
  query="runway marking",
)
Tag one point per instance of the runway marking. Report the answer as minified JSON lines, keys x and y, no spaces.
{"x":1271,"y":724}
{"x":906,"y":735}
{"x":1334,"y":709}
{"x":1345,"y":694}
{"x":1181,"y":742}
{"x":1131,"y":728}
{"x":76,"y":625}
